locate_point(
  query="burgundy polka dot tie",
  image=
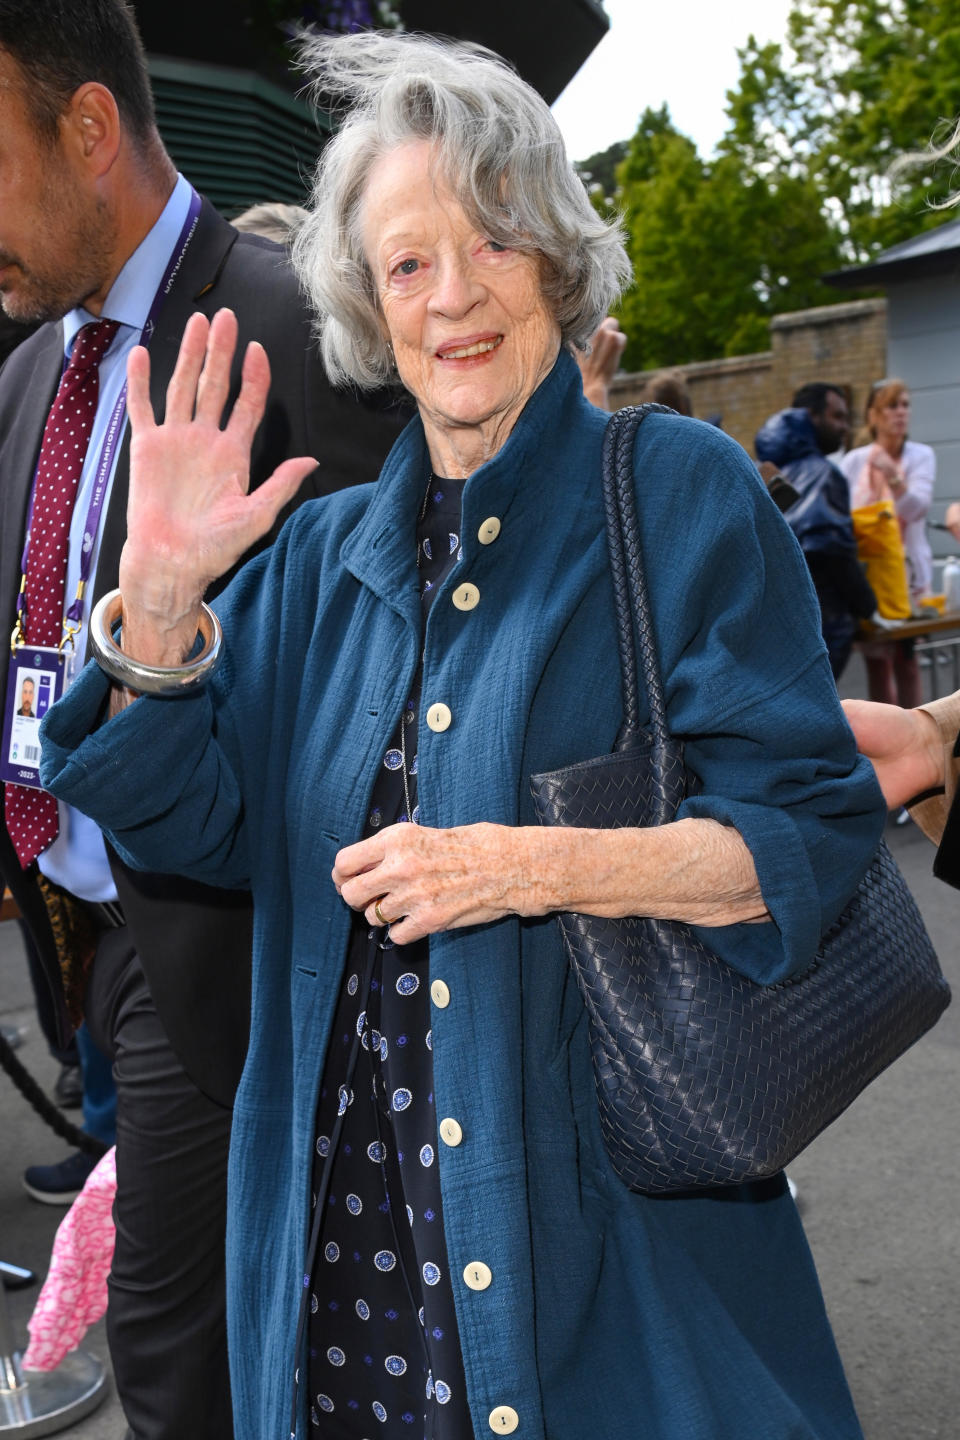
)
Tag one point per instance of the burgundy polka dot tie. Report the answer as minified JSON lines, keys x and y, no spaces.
{"x":32,"y":814}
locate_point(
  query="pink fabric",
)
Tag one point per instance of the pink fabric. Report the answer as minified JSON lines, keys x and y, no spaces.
{"x":74,"y":1294}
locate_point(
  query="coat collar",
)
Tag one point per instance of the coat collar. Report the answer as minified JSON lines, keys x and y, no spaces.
{"x":381,"y":551}
{"x":31,"y":377}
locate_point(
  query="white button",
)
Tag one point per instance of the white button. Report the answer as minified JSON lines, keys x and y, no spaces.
{"x":466,"y":597}
{"x":438,"y":716}
{"x":439,"y":994}
{"x":450,"y":1132}
{"x":477,"y":1275}
{"x":489,"y":530}
{"x":504,"y":1420}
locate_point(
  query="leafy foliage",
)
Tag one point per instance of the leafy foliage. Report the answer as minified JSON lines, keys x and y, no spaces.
{"x":599,"y":172}
{"x":717,"y":249}
{"x":798,"y":185}
{"x":863,"y":81}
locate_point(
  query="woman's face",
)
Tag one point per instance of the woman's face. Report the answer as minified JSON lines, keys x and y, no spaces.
{"x":892,"y":420}
{"x":472,"y":334}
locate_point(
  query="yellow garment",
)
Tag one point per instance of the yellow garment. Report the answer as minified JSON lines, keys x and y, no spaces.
{"x":880,"y":547}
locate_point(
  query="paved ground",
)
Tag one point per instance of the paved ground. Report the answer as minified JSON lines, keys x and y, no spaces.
{"x":879,"y":1196}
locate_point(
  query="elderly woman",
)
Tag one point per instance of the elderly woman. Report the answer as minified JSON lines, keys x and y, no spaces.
{"x":417,"y":1161}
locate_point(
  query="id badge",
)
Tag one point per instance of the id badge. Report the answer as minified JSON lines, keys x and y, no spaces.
{"x":34,"y":683}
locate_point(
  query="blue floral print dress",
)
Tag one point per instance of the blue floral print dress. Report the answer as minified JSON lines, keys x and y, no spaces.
{"x":384,"y":1353}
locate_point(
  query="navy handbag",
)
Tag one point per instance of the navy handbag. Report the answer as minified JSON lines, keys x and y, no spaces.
{"x":704,"y":1077}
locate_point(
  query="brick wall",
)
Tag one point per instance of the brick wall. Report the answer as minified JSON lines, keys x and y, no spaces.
{"x":845,"y":344}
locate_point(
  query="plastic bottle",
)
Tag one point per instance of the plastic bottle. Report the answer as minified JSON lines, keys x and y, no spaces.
{"x":951,"y":583}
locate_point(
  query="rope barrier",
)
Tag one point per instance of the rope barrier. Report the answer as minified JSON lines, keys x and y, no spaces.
{"x":31,"y":1091}
{"x":49,"y":1113}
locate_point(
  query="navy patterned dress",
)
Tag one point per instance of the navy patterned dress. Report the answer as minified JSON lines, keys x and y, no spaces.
{"x":384,"y":1353}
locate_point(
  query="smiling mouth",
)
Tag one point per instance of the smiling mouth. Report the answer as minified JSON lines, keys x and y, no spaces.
{"x":467,"y":351}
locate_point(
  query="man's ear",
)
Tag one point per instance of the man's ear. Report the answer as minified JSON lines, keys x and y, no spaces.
{"x":91,"y":128}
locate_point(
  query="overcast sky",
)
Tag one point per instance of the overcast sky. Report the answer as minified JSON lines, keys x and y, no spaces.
{"x":683,"y":52}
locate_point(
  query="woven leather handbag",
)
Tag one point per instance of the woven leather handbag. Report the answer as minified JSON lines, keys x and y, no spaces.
{"x":704,"y":1077}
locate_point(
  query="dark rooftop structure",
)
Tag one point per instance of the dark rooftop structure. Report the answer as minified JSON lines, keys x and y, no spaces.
{"x":227,"y":101}
{"x":547,"y":55}
{"x":934,"y":252}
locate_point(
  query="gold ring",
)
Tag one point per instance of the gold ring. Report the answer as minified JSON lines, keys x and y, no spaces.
{"x":379,"y":913}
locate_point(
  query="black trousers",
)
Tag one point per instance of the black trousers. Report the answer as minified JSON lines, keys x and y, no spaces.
{"x":65,"y":1054}
{"x":166,"y":1317}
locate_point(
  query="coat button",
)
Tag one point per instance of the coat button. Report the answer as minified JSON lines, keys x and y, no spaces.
{"x":450,"y":1132}
{"x":477,"y":1276}
{"x":504,"y":1420}
{"x":489,"y":530}
{"x":466,"y":597}
{"x":439,"y":994}
{"x":438,"y":716}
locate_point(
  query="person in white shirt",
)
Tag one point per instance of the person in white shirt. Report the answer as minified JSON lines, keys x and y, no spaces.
{"x":902,"y":470}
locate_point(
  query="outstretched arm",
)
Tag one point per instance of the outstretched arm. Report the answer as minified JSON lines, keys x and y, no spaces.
{"x":904,"y":747}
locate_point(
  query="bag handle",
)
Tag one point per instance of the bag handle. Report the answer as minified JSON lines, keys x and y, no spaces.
{"x":631,"y":601}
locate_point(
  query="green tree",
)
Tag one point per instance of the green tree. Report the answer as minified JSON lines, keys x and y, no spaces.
{"x":799,"y":185}
{"x":717,"y":249}
{"x":859,"y":83}
{"x":599,"y":173}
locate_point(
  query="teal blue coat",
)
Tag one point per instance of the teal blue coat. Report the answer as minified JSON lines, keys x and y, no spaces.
{"x":610,"y":1314}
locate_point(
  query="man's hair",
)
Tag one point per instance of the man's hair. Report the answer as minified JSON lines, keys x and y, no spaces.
{"x":671,"y":390}
{"x":813,"y":397}
{"x":60,"y":45}
{"x":272,"y":219}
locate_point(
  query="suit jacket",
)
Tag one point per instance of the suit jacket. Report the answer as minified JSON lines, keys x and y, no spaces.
{"x":194,"y":941}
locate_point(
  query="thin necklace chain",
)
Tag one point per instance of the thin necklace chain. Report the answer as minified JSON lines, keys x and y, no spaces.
{"x":403,"y":753}
{"x":403,"y":718}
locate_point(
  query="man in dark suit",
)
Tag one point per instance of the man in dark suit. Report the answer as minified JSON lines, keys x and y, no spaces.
{"x":96,"y":224}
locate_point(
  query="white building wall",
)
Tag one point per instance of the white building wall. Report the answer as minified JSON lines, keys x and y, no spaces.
{"x":923,"y":348}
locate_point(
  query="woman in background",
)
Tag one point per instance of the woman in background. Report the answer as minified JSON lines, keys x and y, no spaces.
{"x":892,"y":467}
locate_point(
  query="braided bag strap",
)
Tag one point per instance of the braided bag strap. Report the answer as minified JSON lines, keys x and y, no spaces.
{"x":631,"y":601}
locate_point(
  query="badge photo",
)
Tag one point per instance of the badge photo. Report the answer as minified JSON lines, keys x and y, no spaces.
{"x":34,"y":683}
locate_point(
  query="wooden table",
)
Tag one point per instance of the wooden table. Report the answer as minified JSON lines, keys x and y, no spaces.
{"x":938,"y":647}
{"x":910,"y":629}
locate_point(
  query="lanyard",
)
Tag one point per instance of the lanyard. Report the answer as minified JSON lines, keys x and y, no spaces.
{"x":74,"y":616}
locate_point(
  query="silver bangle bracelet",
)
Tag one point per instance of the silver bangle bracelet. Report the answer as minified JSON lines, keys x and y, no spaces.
{"x":151,"y":679}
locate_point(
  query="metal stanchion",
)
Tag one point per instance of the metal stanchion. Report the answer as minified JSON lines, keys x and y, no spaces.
{"x":42,"y":1402}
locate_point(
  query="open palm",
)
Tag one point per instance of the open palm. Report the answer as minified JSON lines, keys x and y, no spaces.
{"x":190,"y":513}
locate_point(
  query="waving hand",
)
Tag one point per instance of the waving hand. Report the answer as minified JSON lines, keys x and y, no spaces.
{"x":191,"y":514}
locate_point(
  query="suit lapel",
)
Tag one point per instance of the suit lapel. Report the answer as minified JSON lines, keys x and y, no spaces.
{"x":194,"y":289}
{"x":27,"y":388}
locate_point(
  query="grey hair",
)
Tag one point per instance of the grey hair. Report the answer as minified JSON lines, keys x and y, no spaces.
{"x":939,"y":149}
{"x":498,"y":149}
{"x":273,"y":219}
